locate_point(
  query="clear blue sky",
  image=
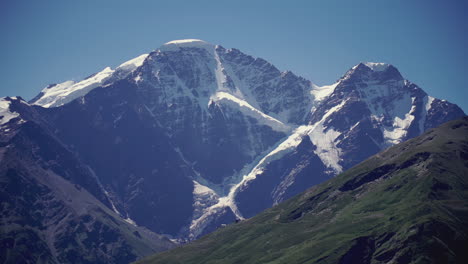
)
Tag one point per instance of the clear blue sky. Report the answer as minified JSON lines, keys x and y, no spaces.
{"x":53,"y":41}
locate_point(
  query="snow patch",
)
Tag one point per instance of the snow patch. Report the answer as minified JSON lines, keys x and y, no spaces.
{"x":198,"y":225}
{"x":137,"y":79}
{"x":201,"y":189}
{"x":132,"y":64}
{"x":321,"y":92}
{"x":68,"y":91}
{"x":324,"y":139}
{"x":248,"y":110}
{"x":130,"y":221}
{"x":428,"y":105}
{"x":220,"y":76}
{"x":377,"y":66}
{"x":427,"y":101}
{"x":5,"y":114}
{"x":400,"y":127}
{"x":207,"y":205}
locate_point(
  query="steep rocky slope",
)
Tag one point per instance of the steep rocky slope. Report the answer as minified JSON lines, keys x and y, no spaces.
{"x":53,"y":208}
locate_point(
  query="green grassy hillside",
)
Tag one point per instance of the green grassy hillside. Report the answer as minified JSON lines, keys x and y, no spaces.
{"x":408,"y":204}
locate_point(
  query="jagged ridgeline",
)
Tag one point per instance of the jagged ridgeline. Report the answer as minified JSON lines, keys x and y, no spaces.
{"x":407,"y":204}
{"x":183,"y":140}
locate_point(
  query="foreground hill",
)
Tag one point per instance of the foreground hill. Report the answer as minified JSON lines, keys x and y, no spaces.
{"x":408,"y":204}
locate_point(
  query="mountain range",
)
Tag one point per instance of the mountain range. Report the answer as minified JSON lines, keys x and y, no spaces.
{"x":181,"y":141}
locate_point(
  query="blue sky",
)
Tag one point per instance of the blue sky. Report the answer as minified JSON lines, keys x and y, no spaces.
{"x":53,"y":41}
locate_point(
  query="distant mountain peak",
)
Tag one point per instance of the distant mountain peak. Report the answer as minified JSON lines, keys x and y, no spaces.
{"x":377,"y":66}
{"x":366,"y":71}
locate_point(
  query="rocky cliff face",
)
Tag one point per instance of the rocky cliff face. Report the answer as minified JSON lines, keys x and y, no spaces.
{"x":54,"y":208}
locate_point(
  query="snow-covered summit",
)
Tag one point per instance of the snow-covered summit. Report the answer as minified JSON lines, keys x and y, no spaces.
{"x":377,"y":66}
{"x":186,"y":43}
{"x":373,"y":71}
{"x":198,"y":70}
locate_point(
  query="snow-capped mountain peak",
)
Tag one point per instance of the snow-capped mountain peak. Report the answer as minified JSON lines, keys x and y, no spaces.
{"x":377,"y":66}
{"x":186,"y":43}
{"x":196,"y":70}
{"x":373,"y":71}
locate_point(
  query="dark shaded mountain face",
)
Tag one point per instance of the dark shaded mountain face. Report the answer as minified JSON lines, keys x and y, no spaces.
{"x":193,"y":136}
{"x":116,"y":135}
{"x":54,"y":209}
{"x":407,"y":204}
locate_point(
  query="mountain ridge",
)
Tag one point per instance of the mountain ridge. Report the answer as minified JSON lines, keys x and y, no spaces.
{"x":193,"y":136}
{"x":248,"y":115}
